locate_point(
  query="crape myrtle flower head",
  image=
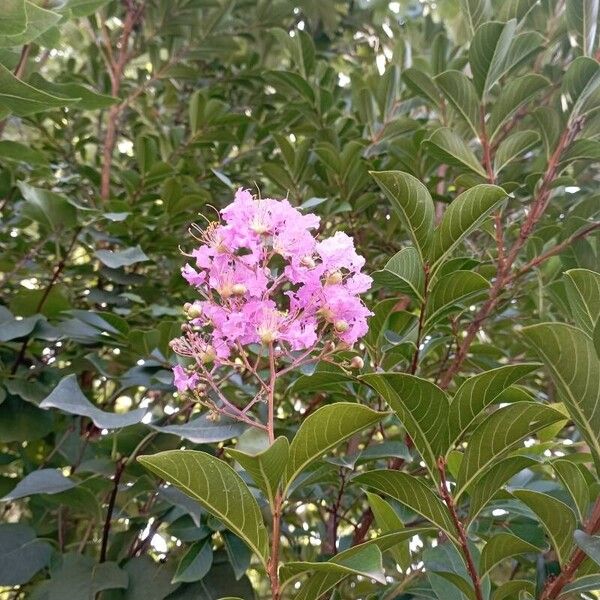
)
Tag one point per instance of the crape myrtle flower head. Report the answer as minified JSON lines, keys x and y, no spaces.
{"x":263,"y":277}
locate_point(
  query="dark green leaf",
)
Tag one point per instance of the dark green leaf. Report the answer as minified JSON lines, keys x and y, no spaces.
{"x":68,"y":397}
{"x":423,"y":409}
{"x":557,"y":519}
{"x":22,"y":555}
{"x":42,"y":481}
{"x":413,"y":204}
{"x":571,"y":358}
{"x":218,"y":488}
{"x":266,"y":467}
{"x":464,"y":214}
{"x":403,"y":273}
{"x":323,"y":430}
{"x":121,"y":258}
{"x":447,"y":146}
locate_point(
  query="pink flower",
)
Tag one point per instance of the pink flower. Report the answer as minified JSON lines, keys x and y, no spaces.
{"x":182,"y":380}
{"x":264,"y":279}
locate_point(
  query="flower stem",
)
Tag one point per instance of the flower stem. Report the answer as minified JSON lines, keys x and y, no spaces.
{"x":273,"y":564}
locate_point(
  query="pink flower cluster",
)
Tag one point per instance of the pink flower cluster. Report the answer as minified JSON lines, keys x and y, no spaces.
{"x":264,"y":278}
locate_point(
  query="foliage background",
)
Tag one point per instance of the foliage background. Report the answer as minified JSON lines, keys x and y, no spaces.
{"x":122,"y":123}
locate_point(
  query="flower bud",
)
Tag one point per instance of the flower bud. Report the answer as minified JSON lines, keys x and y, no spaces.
{"x":239,"y":289}
{"x":357,"y":362}
{"x":308,"y":261}
{"x":226,"y":290}
{"x":341,"y":326}
{"x":208,"y":355}
{"x":187,"y":306}
{"x":194,"y":312}
{"x":334,"y":278}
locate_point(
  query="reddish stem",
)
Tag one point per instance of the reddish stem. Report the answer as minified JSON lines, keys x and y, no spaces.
{"x":460,"y":529}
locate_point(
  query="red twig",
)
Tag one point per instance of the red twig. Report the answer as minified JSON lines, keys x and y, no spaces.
{"x":460,"y":530}
{"x":554,"y":587}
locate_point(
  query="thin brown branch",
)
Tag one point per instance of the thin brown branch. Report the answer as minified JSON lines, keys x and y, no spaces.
{"x":557,"y":249}
{"x":117,"y":66}
{"x":415,"y":359}
{"x":554,"y":587}
{"x":120,"y":468}
{"x":460,"y":530}
{"x":504,"y":275}
{"x":58,"y":269}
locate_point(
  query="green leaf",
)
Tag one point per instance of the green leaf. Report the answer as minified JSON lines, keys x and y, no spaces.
{"x":475,"y":12}
{"x":121,"y":258}
{"x":492,"y":481}
{"x":412,"y":202}
{"x":502,"y":546}
{"x":448,"y":147}
{"x":82,"y":577}
{"x":84,"y":8}
{"x":510,"y":590}
{"x":572,"y":477}
{"x":48,"y":208}
{"x":42,"y":481}
{"x":590,"y":544}
{"x":571,"y":359}
{"x":514,"y":146}
{"x":218,"y":488}
{"x":14,"y":151}
{"x":556,"y":517}
{"x":580,"y":86}
{"x":464,"y":214}
{"x":499,"y":433}
{"x":14,"y":18}
{"x":289,"y":81}
{"x":320,"y":582}
{"x":22,"y":555}
{"x":420,"y":83}
{"x":388,"y":521}
{"x":68,"y":397}
{"x":513,"y":95}
{"x":403,"y":273}
{"x":325,"y":375}
{"x":422,"y":408}
{"x":39,"y":20}
{"x":88,"y":99}
{"x":582,"y":21}
{"x":323,"y":430}
{"x":523,"y":46}
{"x":588,"y":583}
{"x":367,"y":563}
{"x":149,"y":580}
{"x":12,"y":328}
{"x":479,"y":392}
{"x":238,"y":553}
{"x":203,"y":430}
{"x":583,"y":292}
{"x":265,"y":468}
{"x":451,"y":290}
{"x":458,"y":89}
{"x":596,"y":338}
{"x":412,"y":492}
{"x":488,"y":53}
{"x":195,"y":564}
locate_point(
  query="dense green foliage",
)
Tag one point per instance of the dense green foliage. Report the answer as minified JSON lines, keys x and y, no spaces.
{"x":458,"y":142}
